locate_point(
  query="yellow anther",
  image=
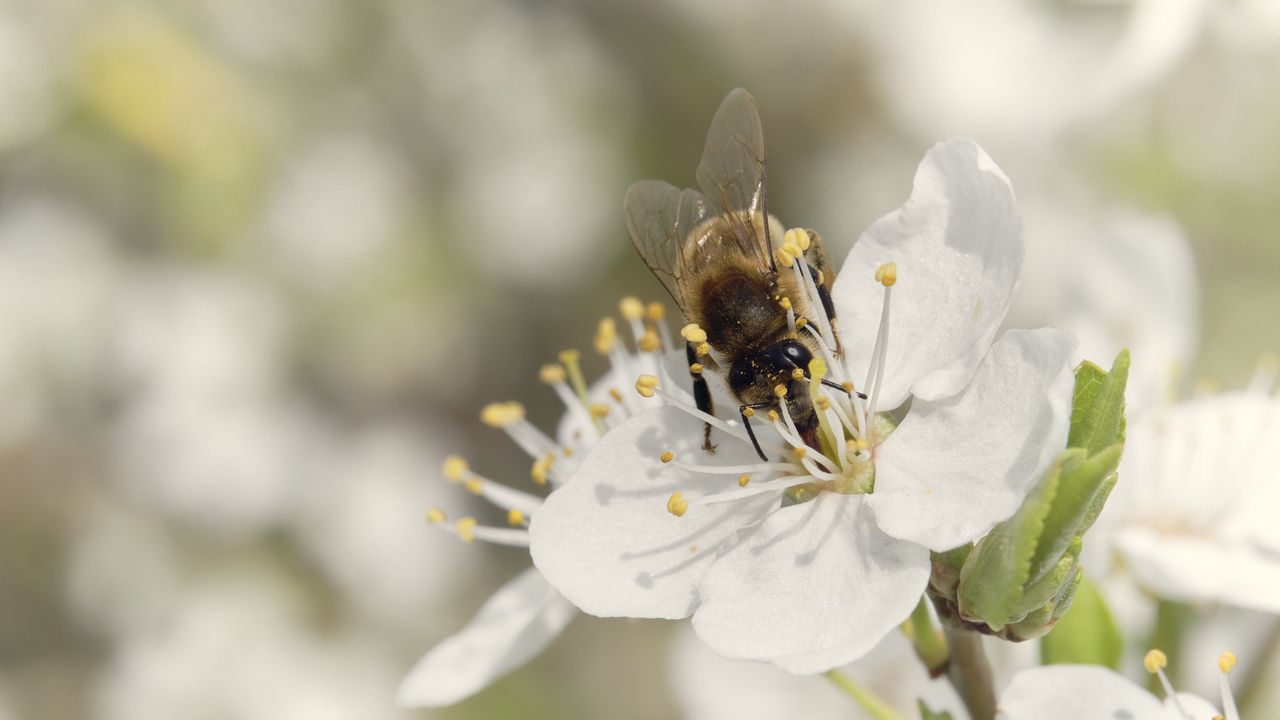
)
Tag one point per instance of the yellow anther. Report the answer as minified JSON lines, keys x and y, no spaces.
{"x":1154,"y":661}
{"x":616,"y":394}
{"x":466,"y":528}
{"x":785,"y":302}
{"x":887,"y":274}
{"x":848,"y":386}
{"x":499,"y":415}
{"x":696,"y":368}
{"x":598,"y":410}
{"x":748,"y":412}
{"x":667,"y":456}
{"x":455,"y":468}
{"x":822,"y":278}
{"x":774,"y":416}
{"x":606,"y":336}
{"x":1226,"y":661}
{"x":631,"y":308}
{"x":515,"y":518}
{"x":780,"y":391}
{"x":475,"y":486}
{"x":798,"y":236}
{"x":801,"y":322}
{"x":645,"y":385}
{"x":743,"y":480}
{"x":800,"y":453}
{"x":693,"y":333}
{"x":823,"y":403}
{"x":435,"y":516}
{"x":551,"y":373}
{"x":568,"y":452}
{"x":649,"y":342}
{"x":677,"y":505}
{"x":655,"y":311}
{"x":818,"y":368}
{"x":797,"y":374}
{"x":541,"y":467}
{"x":568,"y":357}
{"x":703,"y":349}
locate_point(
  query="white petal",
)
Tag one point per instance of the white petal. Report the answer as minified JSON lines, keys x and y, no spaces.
{"x":512,"y":627}
{"x":956,"y":467}
{"x":1073,"y":692}
{"x":1199,"y":569}
{"x":958,"y":246}
{"x":606,"y":539}
{"x":815,"y":586}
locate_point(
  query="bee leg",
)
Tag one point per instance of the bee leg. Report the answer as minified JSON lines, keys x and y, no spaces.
{"x":841,"y":388}
{"x":746,"y":423}
{"x":701,"y":396}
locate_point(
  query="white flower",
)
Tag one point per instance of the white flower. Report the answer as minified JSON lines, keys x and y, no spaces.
{"x":522,"y":618}
{"x":813,"y":585}
{"x":1193,"y":515}
{"x":1073,"y":692}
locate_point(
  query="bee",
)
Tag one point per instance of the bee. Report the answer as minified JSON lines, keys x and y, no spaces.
{"x":714,"y":252}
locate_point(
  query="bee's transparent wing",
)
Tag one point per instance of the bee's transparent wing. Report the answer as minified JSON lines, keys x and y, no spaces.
{"x":660,"y":217}
{"x":732,"y":174}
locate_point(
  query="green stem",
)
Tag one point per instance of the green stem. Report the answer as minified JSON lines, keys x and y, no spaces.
{"x":929,"y":642}
{"x":970,"y":673}
{"x":875,"y":707}
{"x":1167,"y":635}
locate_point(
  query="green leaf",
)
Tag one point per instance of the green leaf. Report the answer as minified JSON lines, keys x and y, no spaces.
{"x":1086,"y":634}
{"x":1097,"y":407}
{"x":927,"y":713}
{"x":995,"y":573}
{"x":1074,"y":502}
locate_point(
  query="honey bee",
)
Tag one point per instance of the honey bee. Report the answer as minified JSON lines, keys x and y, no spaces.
{"x":714,"y":252}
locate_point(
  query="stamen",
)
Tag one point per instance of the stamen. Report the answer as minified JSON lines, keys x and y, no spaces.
{"x":694,"y":334}
{"x":666,"y":456}
{"x":1155,"y":662}
{"x":649,"y":342}
{"x":435,"y":516}
{"x":646,"y":385}
{"x":542,"y":468}
{"x":655,"y":311}
{"x":744,"y":491}
{"x":697,"y":368}
{"x":732,"y":469}
{"x":677,"y":505}
{"x":743,"y":480}
{"x":569,"y":358}
{"x":455,"y":469}
{"x":606,"y":336}
{"x":887,"y":275}
{"x":1226,"y":663}
{"x":631,"y":308}
{"x":501,"y":495}
{"x":552,"y":373}
{"x":730,"y":429}
{"x":466,"y":529}
{"x":515,"y":518}
{"x":501,"y":415}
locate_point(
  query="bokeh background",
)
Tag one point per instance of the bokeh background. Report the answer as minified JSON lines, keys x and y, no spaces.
{"x":261,"y":263}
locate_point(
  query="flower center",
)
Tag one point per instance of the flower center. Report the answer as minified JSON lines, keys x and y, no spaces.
{"x":848,"y":428}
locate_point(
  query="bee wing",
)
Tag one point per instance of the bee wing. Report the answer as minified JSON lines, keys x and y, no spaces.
{"x":660,"y":217}
{"x":732,"y":175}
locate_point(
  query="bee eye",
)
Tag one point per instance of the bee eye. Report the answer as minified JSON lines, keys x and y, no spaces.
{"x":798,"y":354}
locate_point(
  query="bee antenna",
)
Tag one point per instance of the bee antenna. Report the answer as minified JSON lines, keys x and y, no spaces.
{"x":841,"y":388}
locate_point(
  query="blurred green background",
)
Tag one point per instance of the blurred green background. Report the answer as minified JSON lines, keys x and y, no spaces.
{"x":262,"y":263}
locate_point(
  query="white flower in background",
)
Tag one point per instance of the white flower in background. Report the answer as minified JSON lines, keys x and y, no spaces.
{"x":1115,"y":280}
{"x":522,"y":618}
{"x":57,"y":282}
{"x":1193,"y":515}
{"x":1054,"y":66}
{"x":353,"y":525}
{"x":235,"y":646}
{"x":652,"y":527}
{"x":1075,"y":692}
{"x":710,"y":687}
{"x":206,"y":428}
